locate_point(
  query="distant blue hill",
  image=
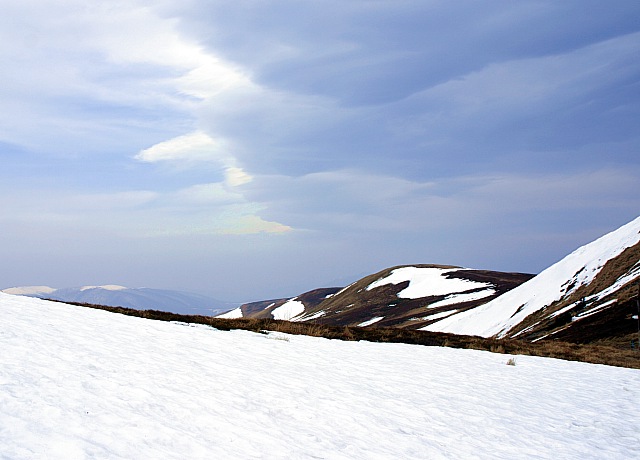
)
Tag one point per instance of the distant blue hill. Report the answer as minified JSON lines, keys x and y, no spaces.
{"x":137,"y":298}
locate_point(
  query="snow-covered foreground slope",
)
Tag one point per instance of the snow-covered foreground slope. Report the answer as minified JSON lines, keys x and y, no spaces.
{"x":579,"y":268}
{"x":79,"y":383}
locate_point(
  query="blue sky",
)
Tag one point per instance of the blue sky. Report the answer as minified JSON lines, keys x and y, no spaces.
{"x":257,"y":149}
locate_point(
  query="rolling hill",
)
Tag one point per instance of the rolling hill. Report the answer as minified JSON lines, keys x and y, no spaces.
{"x":404,"y":296}
{"x":590,"y":295}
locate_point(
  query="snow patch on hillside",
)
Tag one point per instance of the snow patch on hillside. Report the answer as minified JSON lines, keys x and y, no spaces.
{"x":595,"y":310}
{"x":579,"y":268}
{"x":233,"y":314}
{"x":371,"y":321}
{"x":316,"y":315}
{"x":288,"y":310}
{"x":442,"y":314}
{"x":426,"y":281}
{"x":460,"y":298}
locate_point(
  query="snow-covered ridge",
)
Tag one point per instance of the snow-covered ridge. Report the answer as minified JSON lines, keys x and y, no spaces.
{"x":561,"y":279}
{"x":30,"y":290}
{"x":427,"y":281}
{"x":106,"y":287}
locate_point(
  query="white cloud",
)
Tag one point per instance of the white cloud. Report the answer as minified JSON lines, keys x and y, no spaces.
{"x":210,"y":77}
{"x":236,"y":176}
{"x":101,"y":77}
{"x":193,"y":147}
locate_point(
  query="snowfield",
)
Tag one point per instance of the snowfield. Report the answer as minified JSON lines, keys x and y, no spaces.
{"x":77,"y":383}
{"x":288,"y":310}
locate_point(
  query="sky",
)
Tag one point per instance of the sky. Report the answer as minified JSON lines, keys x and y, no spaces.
{"x":250,"y":150}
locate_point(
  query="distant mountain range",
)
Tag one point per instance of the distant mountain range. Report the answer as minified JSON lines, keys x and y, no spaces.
{"x":588,"y":296}
{"x":591,"y":295}
{"x":137,"y":298}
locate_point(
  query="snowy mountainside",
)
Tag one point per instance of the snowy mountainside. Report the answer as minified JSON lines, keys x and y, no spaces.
{"x":589,"y":283}
{"x":136,"y":298}
{"x":84,"y":383}
{"x":412,"y":296}
{"x":402,"y":296}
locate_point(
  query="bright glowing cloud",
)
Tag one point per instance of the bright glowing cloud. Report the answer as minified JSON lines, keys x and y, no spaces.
{"x":211,"y":77}
{"x":196,"y":146}
{"x":235,"y":176}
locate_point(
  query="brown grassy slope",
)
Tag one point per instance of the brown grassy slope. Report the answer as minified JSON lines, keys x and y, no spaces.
{"x":356,"y":304}
{"x":264,"y":308}
{"x":598,"y":354}
{"x":261,"y":309}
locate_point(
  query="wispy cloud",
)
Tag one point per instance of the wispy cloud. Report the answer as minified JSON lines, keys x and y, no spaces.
{"x":202,"y":209}
{"x":101,"y":78}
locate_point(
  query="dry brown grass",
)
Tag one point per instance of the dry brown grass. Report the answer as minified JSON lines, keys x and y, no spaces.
{"x":598,"y":354}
